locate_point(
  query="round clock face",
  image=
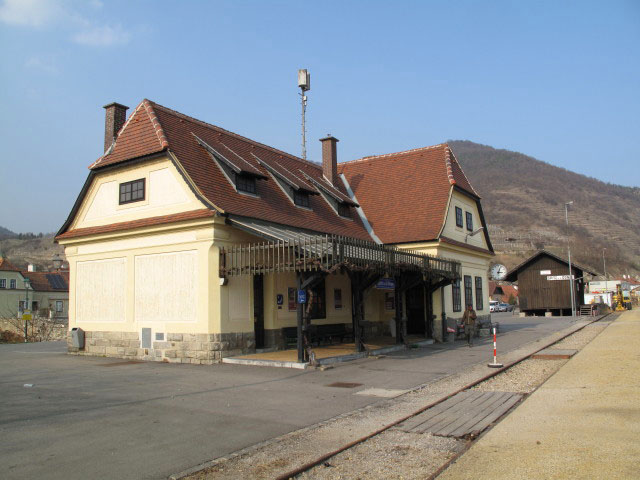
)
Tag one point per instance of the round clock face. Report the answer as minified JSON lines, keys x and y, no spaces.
{"x":498,"y":271}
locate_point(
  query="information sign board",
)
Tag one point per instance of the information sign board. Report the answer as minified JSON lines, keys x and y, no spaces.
{"x":302,"y":296}
{"x":386,"y":284}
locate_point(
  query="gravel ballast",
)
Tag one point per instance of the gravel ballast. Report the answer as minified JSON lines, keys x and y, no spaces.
{"x":392,"y":454}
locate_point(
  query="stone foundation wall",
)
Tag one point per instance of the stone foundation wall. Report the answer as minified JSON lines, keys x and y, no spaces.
{"x":201,"y":348}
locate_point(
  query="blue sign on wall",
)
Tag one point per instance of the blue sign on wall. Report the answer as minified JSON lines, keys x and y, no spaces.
{"x":279,"y":299}
{"x":302,"y":296}
{"x":386,"y":284}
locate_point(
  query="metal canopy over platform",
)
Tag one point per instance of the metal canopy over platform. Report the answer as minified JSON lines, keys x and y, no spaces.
{"x":292,"y":250}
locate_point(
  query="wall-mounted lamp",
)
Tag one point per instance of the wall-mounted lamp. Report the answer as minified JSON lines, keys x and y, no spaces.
{"x":475,"y":232}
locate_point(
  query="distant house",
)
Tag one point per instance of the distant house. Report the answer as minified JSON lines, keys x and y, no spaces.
{"x":42,"y":293}
{"x":189,"y":243}
{"x":503,"y":292}
{"x":544,"y":285}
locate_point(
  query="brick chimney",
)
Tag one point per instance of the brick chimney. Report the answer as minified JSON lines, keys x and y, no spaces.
{"x":330,"y":159}
{"x":115,"y":116}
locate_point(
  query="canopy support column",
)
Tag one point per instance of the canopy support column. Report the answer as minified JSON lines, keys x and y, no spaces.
{"x":305,"y":281}
{"x":360,"y":282}
{"x":397,"y":300}
{"x":299,"y":313}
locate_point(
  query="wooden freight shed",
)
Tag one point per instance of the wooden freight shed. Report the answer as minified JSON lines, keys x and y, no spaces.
{"x":544,"y":286}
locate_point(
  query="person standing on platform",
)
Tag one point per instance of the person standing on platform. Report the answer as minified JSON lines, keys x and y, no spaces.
{"x":469,"y":321}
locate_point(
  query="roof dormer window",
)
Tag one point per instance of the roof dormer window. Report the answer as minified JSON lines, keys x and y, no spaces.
{"x":240,"y":173}
{"x":245,"y":183}
{"x":297,"y":190}
{"x":344,"y":210}
{"x":301,"y":198}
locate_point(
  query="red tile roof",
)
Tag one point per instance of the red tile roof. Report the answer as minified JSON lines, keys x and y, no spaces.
{"x":404,"y":195}
{"x":48,"y":281}
{"x":507,"y":291}
{"x":152,"y":128}
{"x":140,"y":135}
{"x":143,"y":222}
{"x":7,"y":266}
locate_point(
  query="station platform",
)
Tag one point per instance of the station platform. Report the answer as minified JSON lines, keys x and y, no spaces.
{"x":327,"y":354}
{"x":584,"y":422}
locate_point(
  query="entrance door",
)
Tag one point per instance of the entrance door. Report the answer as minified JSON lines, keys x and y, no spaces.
{"x":258,"y":309}
{"x":415,"y":311}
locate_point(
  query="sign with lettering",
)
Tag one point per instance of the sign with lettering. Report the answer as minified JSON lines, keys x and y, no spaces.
{"x":386,"y":284}
{"x":560,"y":277}
{"x":545,"y":272}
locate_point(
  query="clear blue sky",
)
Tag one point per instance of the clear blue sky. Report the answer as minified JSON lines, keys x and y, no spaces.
{"x":556,"y":80}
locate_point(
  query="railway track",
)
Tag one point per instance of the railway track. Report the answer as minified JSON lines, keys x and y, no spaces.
{"x":325,"y":457}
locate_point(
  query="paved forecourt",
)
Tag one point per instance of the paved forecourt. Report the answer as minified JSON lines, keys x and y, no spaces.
{"x":584,"y":422}
{"x":91,"y":417}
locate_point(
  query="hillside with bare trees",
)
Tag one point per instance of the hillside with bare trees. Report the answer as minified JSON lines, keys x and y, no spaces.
{"x":523,"y":200}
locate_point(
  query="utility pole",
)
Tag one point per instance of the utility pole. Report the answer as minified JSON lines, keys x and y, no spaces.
{"x":304,"y":82}
{"x":573,"y":302}
{"x":606,"y":283}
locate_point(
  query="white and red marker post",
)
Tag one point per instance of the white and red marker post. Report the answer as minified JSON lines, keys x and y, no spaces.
{"x":495,"y":363}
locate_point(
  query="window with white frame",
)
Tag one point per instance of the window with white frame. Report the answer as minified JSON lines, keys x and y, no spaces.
{"x":59,"y":306}
{"x":3,"y":283}
{"x":12,"y":284}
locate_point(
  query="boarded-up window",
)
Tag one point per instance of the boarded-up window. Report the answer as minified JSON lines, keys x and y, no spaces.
{"x":101,"y":290}
{"x":166,"y":287}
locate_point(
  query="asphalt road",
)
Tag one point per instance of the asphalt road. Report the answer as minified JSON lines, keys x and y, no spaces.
{"x":73,"y":417}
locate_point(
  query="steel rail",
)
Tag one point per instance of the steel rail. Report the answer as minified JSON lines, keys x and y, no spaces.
{"x":308,"y":466}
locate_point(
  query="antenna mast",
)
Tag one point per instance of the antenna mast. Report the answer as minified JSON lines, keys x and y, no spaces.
{"x":304,"y":82}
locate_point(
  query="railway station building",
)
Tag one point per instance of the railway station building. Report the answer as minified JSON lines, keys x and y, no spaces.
{"x":189,"y":243}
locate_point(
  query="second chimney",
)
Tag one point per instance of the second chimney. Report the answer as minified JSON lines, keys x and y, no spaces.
{"x":330,"y":159}
{"x":115,"y":116}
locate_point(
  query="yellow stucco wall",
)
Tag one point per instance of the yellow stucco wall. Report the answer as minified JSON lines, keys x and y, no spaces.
{"x":166,"y":193}
{"x":451,"y":230}
{"x":154,"y":279}
{"x":474,"y":263}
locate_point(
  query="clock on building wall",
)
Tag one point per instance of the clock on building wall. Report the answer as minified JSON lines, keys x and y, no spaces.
{"x":498,"y":272}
